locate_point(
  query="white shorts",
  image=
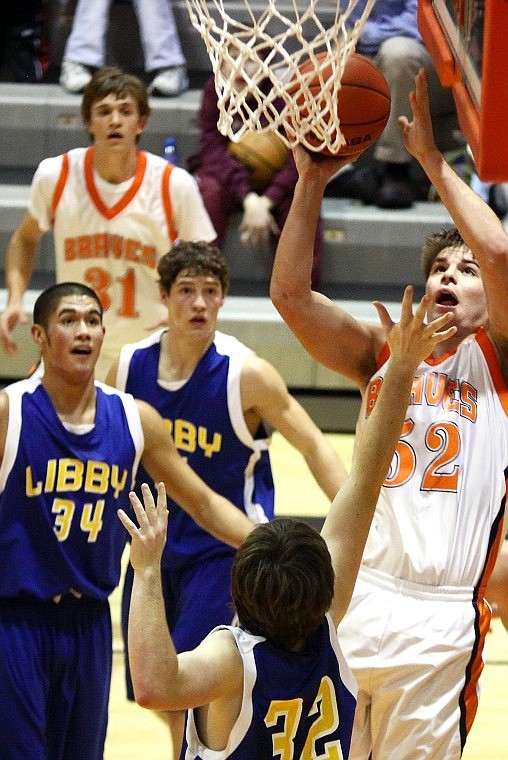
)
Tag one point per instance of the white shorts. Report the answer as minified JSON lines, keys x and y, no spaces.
{"x":417,"y":654}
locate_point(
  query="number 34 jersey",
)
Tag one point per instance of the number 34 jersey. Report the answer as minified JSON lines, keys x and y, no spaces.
{"x":60,"y":490}
{"x":439,"y":518}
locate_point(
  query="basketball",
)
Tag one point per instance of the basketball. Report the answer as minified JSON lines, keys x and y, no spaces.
{"x":363,"y":102}
{"x":263,"y":154}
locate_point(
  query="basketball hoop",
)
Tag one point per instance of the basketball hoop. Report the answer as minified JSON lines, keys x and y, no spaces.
{"x":272,"y":47}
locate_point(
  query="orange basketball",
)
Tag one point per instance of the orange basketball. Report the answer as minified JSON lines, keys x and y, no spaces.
{"x":363,"y":102}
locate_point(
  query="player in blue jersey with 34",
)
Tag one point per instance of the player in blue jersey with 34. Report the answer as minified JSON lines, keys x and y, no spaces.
{"x":221,"y":402}
{"x":69,"y":452}
{"x":278,"y":680}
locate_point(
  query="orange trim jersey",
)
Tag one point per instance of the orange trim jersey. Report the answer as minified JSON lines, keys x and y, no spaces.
{"x":415,"y":630}
{"x":111,"y":236}
{"x":439,"y":518}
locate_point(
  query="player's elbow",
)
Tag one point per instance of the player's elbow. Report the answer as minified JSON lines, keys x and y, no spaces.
{"x":279,"y":293}
{"x":149,"y":697}
{"x":285,"y":297}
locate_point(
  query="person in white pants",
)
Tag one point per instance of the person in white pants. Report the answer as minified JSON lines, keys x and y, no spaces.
{"x":86,"y":46}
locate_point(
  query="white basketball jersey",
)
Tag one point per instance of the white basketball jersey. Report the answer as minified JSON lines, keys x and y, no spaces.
{"x":442,"y":503}
{"x":111,"y":236}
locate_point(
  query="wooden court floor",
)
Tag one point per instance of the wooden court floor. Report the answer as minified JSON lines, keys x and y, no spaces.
{"x":136,"y":734}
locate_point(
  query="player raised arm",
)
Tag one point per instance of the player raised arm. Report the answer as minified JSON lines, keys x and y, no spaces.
{"x":479,"y":226}
{"x":347,"y":525}
{"x":329,"y":334}
{"x":162,"y":679}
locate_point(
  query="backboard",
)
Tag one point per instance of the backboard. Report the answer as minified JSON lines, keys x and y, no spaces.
{"x":467,"y":42}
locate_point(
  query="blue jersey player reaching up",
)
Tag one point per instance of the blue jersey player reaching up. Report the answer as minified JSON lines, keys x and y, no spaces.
{"x":221,"y":402}
{"x":69,"y":452}
{"x":276,"y":684}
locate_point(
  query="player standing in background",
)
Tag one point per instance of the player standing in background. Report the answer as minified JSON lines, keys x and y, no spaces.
{"x":221,"y":403}
{"x":276,"y":685}
{"x":415,"y":629}
{"x":114,"y":210}
{"x":69,"y":452}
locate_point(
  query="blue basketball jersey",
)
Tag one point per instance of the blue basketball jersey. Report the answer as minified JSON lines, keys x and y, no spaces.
{"x":302,"y":701}
{"x":204,"y":414}
{"x":60,"y":491}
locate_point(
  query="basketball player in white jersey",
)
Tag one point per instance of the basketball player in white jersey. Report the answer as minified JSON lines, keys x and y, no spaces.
{"x":415,"y":629}
{"x":114,"y":210}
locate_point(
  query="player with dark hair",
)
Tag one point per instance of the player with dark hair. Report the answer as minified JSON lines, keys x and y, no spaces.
{"x":278,"y":679}
{"x":47,"y":301}
{"x":111,"y":80}
{"x":69,"y":453}
{"x":114,"y":209}
{"x":221,"y":402}
{"x":415,"y":630}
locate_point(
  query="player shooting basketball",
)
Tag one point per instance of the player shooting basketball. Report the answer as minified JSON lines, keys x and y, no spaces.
{"x":415,"y":629}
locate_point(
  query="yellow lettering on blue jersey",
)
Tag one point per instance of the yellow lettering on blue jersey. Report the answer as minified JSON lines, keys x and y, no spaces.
{"x":67,"y":474}
{"x":209,"y":447}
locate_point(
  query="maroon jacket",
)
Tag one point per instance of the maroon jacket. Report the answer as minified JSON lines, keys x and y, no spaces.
{"x":213,"y":158}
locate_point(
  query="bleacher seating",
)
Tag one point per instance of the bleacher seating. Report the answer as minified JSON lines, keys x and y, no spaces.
{"x":369,"y":252}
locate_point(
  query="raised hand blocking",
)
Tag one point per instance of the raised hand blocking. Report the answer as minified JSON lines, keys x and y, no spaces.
{"x":147,"y":540}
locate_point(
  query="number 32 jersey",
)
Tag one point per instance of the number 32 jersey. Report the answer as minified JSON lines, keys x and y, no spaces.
{"x":295,"y":704}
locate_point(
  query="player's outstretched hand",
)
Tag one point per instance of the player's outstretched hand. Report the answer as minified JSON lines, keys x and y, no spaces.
{"x":147,"y":540}
{"x":411,"y":339}
{"x":418,"y":135}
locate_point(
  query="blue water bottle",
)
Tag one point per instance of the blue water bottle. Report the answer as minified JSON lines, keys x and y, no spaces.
{"x":169,"y":152}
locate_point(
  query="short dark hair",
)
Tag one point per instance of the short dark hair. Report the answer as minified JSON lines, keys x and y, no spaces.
{"x":112,"y":80}
{"x":282,"y":582}
{"x":435,"y":243}
{"x":198,"y":258}
{"x":47,"y":302}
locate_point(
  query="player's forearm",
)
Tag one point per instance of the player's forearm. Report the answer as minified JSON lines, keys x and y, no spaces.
{"x":223,"y":520}
{"x":19,"y":264}
{"x":152,"y":656}
{"x":291,"y":274}
{"x":382,"y":430}
{"x":481,"y":229}
{"x":327,"y":468}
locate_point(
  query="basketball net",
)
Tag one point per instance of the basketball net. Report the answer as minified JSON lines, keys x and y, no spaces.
{"x":271,"y":47}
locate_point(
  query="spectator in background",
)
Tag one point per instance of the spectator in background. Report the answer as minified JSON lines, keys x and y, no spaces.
{"x":391,"y":38}
{"x":20,"y":41}
{"x":85,"y":48}
{"x":226,"y":185}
